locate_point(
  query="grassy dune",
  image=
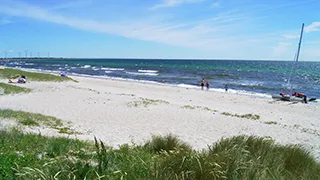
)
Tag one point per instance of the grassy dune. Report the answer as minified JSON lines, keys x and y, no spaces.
{"x":33,"y":76}
{"x":33,"y":119}
{"x":12,"y":89}
{"x":30,"y":156}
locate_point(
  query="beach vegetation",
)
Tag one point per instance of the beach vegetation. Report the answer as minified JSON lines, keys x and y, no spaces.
{"x":33,"y":119}
{"x":33,"y":156}
{"x":145,"y":102}
{"x":6,"y":89}
{"x":198,"y":107}
{"x":9,"y":73}
{"x":247,"y":116}
{"x":124,"y":94}
{"x":297,"y":126}
{"x":270,"y":122}
{"x":189,"y":107}
{"x":166,"y":143}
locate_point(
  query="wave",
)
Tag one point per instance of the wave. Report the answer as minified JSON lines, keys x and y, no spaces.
{"x":86,"y":66}
{"x":187,"y":86}
{"x":29,"y":64}
{"x":232,"y":91}
{"x":95,"y":68}
{"x":113,"y":69}
{"x":255,"y":85}
{"x":142,"y":74}
{"x":54,"y":65}
{"x":148,"y":71}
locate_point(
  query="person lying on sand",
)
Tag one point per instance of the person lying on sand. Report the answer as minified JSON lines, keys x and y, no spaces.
{"x":21,"y":80}
{"x":63,"y":74}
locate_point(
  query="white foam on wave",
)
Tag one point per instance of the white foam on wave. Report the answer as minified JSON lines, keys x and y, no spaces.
{"x":86,"y":66}
{"x":108,"y":72}
{"x":249,"y":93}
{"x":113,"y":69}
{"x":55,"y":65}
{"x":29,"y":64}
{"x":95,"y":68}
{"x":187,"y":86}
{"x":15,"y":63}
{"x":142,"y":74}
{"x":147,"y":71}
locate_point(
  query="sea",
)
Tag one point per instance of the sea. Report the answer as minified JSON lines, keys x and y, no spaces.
{"x":247,"y":77}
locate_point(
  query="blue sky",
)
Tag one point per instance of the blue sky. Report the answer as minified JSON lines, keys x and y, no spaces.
{"x":205,"y":29}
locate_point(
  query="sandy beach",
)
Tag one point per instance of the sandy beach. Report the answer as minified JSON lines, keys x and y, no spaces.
{"x":119,"y":111}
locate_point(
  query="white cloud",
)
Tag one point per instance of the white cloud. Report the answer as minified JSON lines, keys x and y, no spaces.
{"x":290,"y":36}
{"x":71,"y":4}
{"x":5,"y":21}
{"x":220,"y":34}
{"x":172,"y":3}
{"x":215,"y":4}
{"x":315,"y":26}
{"x":281,"y":48}
{"x":203,"y":34}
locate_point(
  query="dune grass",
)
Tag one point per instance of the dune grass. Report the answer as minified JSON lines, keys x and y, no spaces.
{"x":198,"y":107}
{"x":145,"y":102}
{"x":33,"y":119}
{"x":30,"y":156}
{"x":33,"y":76}
{"x":270,"y":122}
{"x":246,"y":116}
{"x":6,"y":89}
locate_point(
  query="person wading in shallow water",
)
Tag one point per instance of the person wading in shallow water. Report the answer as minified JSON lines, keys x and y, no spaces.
{"x":226,"y":87}
{"x":202,"y":83}
{"x":207,"y":85}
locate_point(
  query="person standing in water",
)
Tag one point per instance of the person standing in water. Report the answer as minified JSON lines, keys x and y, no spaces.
{"x":202,"y":83}
{"x":207,"y":85}
{"x":226,"y":87}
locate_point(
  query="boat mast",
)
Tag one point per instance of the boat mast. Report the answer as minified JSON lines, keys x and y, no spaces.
{"x":297,"y":55}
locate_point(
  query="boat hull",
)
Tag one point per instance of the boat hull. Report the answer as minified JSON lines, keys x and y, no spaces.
{"x":287,"y":98}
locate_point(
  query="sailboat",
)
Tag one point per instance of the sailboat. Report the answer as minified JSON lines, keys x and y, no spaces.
{"x":293,"y":97}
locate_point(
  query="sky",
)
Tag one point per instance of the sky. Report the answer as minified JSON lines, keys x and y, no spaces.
{"x":177,"y":29}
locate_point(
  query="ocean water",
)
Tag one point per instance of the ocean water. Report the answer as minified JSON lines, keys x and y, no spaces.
{"x":261,"y":78}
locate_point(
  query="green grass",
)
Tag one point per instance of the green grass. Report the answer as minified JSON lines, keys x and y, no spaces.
{"x":33,"y":76}
{"x":145,"y":102}
{"x":30,"y":156}
{"x":19,"y":151}
{"x":247,"y":116}
{"x":198,"y":107}
{"x":32,"y":119}
{"x":167,"y":143}
{"x":12,"y":89}
{"x":270,"y":122}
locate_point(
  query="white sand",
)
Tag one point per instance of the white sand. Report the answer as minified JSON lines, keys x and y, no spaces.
{"x":99,"y":107}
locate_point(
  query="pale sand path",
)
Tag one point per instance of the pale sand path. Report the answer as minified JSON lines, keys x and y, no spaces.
{"x":99,"y":107}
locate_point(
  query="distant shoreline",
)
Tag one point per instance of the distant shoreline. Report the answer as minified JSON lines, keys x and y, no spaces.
{"x":173,"y":59}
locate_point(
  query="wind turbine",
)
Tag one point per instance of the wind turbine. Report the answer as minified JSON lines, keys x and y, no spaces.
{"x":38,"y":55}
{"x":26,"y":51}
{"x":30,"y":54}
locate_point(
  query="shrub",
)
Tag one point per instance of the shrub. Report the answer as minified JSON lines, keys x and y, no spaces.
{"x":166,"y":143}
